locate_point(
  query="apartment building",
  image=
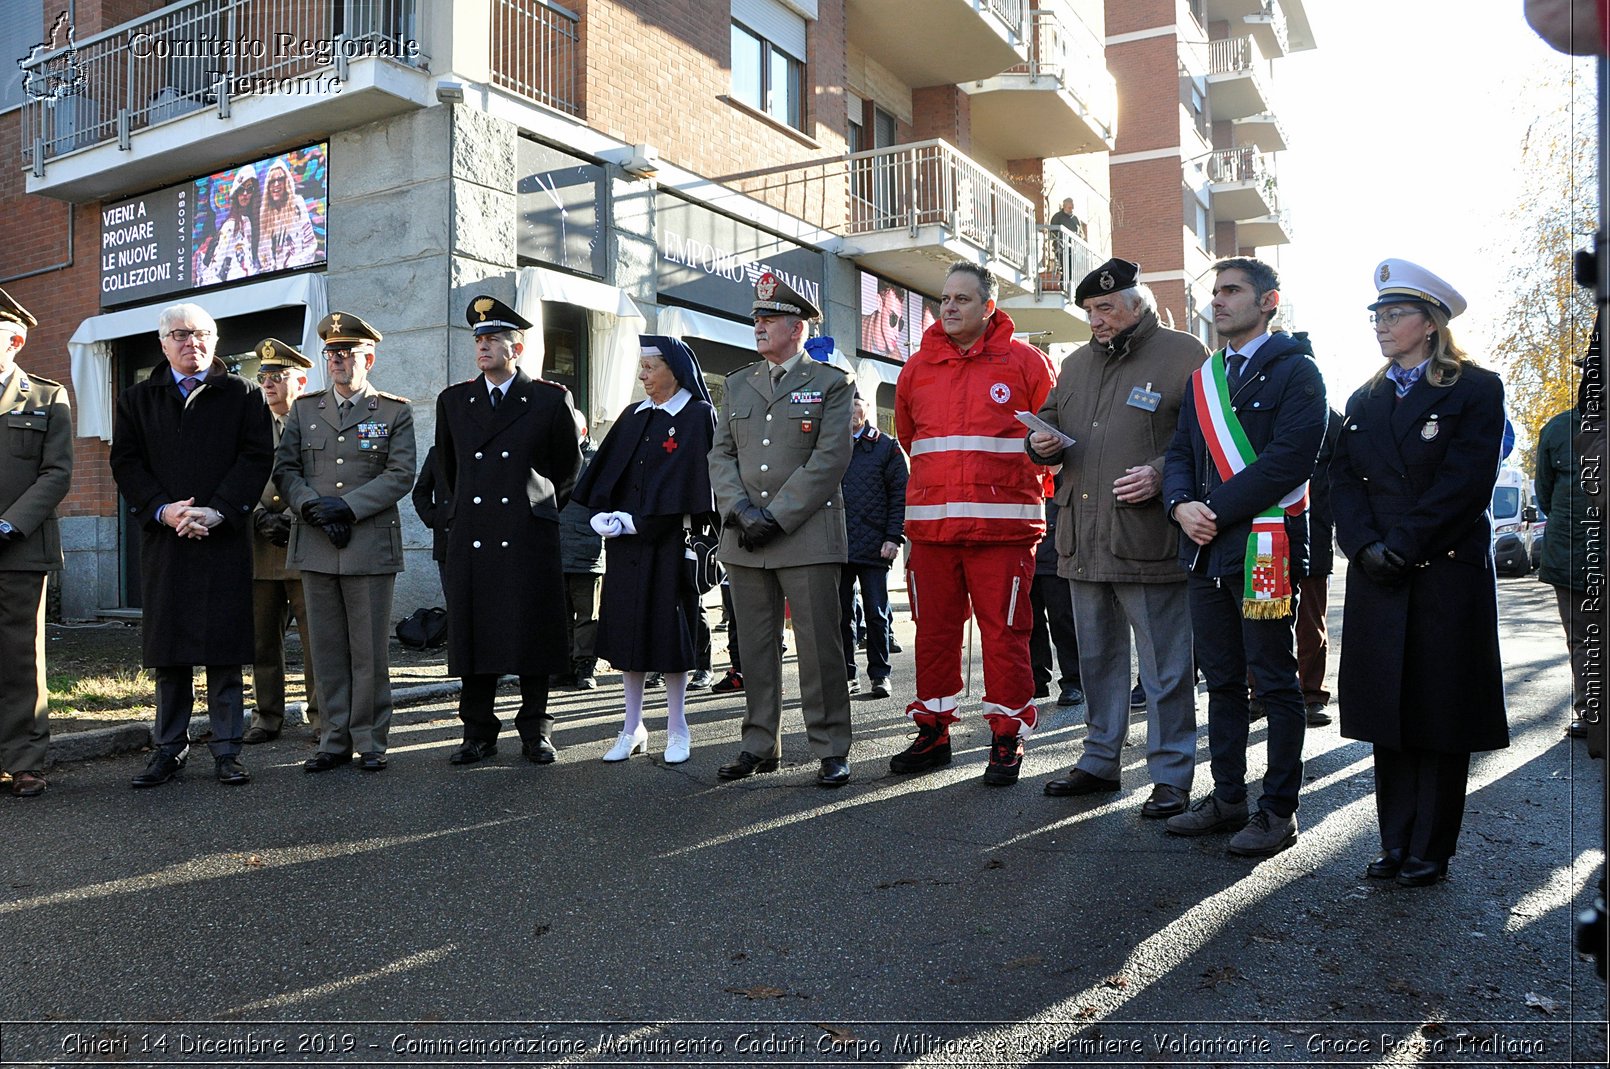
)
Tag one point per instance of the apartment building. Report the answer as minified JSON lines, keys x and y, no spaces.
{"x":609,"y":166}
{"x":1194,"y":174}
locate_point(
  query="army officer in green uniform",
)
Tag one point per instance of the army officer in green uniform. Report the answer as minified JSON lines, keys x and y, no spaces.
{"x":345,"y":459}
{"x":36,"y":465}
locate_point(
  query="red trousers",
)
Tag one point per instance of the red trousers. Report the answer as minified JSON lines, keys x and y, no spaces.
{"x":949,"y":583}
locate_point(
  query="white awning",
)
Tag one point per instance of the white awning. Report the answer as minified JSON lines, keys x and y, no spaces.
{"x":613,"y":322}
{"x":90,"y":348}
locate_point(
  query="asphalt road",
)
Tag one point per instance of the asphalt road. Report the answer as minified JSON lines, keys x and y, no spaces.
{"x":596,"y":914}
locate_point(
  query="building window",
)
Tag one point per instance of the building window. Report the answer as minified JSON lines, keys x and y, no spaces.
{"x":767,"y":78}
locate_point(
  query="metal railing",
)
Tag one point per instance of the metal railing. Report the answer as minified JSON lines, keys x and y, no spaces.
{"x":1244,"y":164}
{"x":1070,"y":53}
{"x":185,"y":57}
{"x":1011,"y":12}
{"x":1274,"y":17}
{"x":1232,"y":55}
{"x":929,"y":182}
{"x":535,"y":51}
{"x":1065,"y":259}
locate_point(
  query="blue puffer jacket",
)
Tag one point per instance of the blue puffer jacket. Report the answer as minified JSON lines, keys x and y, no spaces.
{"x":581,"y":549}
{"x":874,"y":496}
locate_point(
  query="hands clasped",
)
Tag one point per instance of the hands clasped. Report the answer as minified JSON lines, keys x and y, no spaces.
{"x":334,"y":515}
{"x":613,"y":524}
{"x":190,"y":520}
{"x":756,"y":526}
{"x":1382,"y":564}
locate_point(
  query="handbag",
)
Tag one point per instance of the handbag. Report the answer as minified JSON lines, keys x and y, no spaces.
{"x":704,"y":570}
{"x":424,"y":629}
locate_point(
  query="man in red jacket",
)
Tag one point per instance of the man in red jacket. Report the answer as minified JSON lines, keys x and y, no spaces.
{"x":974,"y":513}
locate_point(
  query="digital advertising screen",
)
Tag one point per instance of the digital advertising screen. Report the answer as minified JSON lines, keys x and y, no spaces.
{"x":893,"y":318}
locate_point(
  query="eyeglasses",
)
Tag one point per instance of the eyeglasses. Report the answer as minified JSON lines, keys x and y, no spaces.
{"x":273,"y":376}
{"x":341,"y":356}
{"x":182,"y":336}
{"x":1391,"y":316}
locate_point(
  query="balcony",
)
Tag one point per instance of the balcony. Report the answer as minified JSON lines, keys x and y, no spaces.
{"x":1235,"y":87}
{"x":1064,"y":260}
{"x":1061,"y":102}
{"x":940,"y":42}
{"x":1281,"y":24}
{"x":915,"y":209}
{"x":1263,"y":131}
{"x":534,"y":48}
{"x":1240,"y":184}
{"x":1264,"y":231}
{"x":123,"y":108}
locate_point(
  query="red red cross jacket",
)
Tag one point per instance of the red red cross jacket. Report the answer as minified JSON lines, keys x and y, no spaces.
{"x":956,"y":416}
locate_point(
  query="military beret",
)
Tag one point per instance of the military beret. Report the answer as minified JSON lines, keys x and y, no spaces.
{"x":1397,"y":281}
{"x":344,"y":328}
{"x":1110,"y":277}
{"x":488,"y":315}
{"x":773,"y":296}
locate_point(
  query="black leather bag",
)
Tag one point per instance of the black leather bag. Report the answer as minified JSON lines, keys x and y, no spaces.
{"x":425,"y":629}
{"x":700,"y":556}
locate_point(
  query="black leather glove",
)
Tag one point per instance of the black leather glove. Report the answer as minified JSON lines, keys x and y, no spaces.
{"x":339,"y":533}
{"x":757,"y":527}
{"x":278,"y":530}
{"x":327,"y":510}
{"x":1382,"y":564}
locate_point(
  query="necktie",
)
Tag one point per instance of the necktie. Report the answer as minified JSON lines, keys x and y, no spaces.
{"x":497,"y":396}
{"x":188,"y":384}
{"x":344,"y":407}
{"x":1238,"y":364}
{"x":776,"y":376}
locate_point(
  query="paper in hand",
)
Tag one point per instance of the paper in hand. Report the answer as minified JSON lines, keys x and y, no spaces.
{"x":1035,"y":423}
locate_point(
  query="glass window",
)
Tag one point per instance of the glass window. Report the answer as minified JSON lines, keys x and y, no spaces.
{"x":766,"y":78}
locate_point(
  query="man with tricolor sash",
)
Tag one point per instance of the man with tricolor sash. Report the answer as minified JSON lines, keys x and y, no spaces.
{"x":1236,"y":483}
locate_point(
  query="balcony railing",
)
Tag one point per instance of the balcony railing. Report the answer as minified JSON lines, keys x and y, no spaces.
{"x":1273,"y":17}
{"x":1011,"y":12}
{"x":1244,"y":164}
{"x":535,"y":49}
{"x":1065,"y":259}
{"x":1072,"y":55}
{"x":930,"y":183}
{"x":1232,"y":55}
{"x":204,"y":54}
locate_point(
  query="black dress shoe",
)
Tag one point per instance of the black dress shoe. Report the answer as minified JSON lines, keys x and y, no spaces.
{"x":1078,"y":781}
{"x":232,"y":772}
{"x":880,"y":688}
{"x":372,"y":762}
{"x":256,"y":735}
{"x":1416,"y":873}
{"x":539,"y":751}
{"x":1070,"y":696}
{"x":1167,"y":800}
{"x":747,"y":764}
{"x":1386,"y":866}
{"x":325,"y":760}
{"x":835,"y":772}
{"x":1578,"y":728}
{"x":472,"y":751}
{"x":700,"y":679}
{"x":1318,"y":715}
{"x":159,"y":770}
{"x":855,"y":686}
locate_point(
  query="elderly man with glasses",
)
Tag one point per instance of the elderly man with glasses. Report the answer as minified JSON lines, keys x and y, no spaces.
{"x":191,"y":450}
{"x":345,"y":459}
{"x":277,"y":587}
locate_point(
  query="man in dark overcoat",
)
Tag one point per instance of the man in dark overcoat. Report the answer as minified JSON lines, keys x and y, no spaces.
{"x":507,"y":453}
{"x":36,"y":468}
{"x":345,"y":458}
{"x":191,"y":450}
{"x":875,"y":524}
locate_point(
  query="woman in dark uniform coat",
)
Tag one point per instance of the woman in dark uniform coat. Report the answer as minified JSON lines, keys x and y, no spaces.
{"x":648,"y":485}
{"x":1411,"y":482}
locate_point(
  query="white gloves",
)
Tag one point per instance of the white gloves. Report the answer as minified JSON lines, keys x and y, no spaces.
{"x":611,"y":524}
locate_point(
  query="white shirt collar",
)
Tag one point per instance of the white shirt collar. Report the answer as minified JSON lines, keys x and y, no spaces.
{"x":673,"y":406}
{"x":503,"y":389}
{"x":1248,"y":350}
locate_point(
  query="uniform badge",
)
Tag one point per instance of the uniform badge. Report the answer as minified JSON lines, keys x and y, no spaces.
{"x":335,"y":322}
{"x":765,"y":286}
{"x":483,"y":306}
{"x":806,"y":425}
{"x":805,"y":397}
{"x":1000,"y":393}
{"x":1386,"y":272}
{"x":1106,"y":280}
{"x":1429,"y":431}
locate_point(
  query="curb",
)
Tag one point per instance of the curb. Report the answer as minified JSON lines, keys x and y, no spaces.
{"x":128,"y":738}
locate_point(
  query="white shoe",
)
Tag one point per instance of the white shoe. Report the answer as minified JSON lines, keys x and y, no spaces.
{"x":628,"y":744}
{"x":676,"y":749}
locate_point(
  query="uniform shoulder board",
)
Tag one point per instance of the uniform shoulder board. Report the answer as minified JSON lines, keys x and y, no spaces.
{"x":394,"y":397}
{"x":556,"y":385}
{"x":42,"y":381}
{"x":310,"y":394}
{"x":745,"y":369}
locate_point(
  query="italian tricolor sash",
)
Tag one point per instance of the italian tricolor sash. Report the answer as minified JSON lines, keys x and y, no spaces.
{"x":1266,"y":594}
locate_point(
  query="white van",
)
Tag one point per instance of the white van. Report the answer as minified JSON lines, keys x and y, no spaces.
{"x":1513,"y":513}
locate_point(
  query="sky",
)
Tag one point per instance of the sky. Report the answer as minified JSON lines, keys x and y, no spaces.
{"x":1405,"y":125}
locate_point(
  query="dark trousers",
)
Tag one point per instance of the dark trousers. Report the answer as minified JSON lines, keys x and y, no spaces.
{"x":1577,"y":621}
{"x":581,"y":615}
{"x":1313,"y":640}
{"x":475,"y":699}
{"x":176,"y":699}
{"x":1229,"y":649}
{"x":1420,"y":800}
{"x":732,"y":629}
{"x":274,"y":602}
{"x":701,"y":638}
{"x":874,"y":583}
{"x":1053,"y":626}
